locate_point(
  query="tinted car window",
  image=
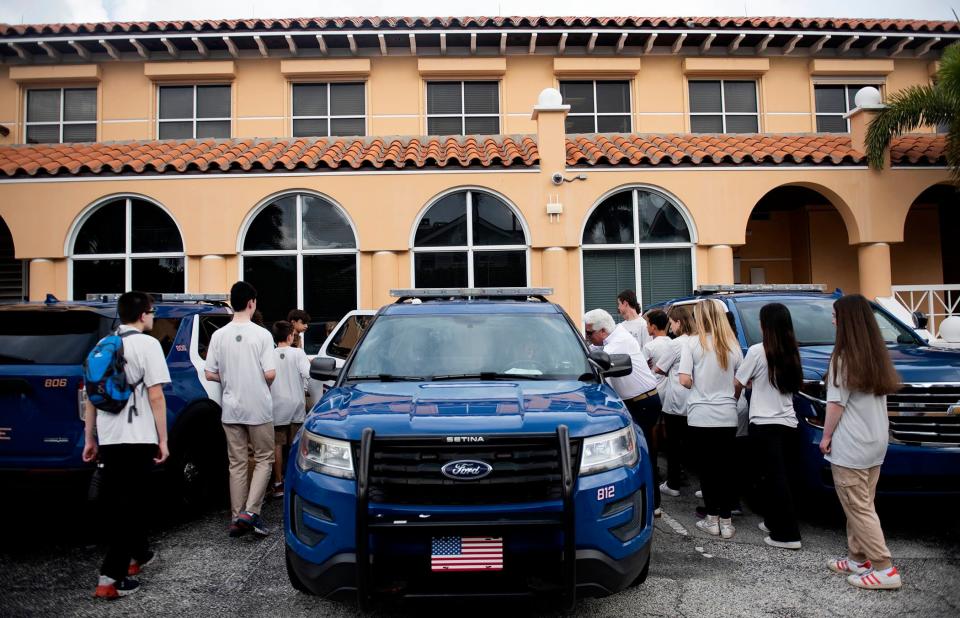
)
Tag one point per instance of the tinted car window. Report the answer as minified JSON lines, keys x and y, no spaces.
{"x":165,"y":331}
{"x":49,"y":337}
{"x":208,"y":325}
{"x":346,"y":338}
{"x":813,"y":322}
{"x":428,"y":346}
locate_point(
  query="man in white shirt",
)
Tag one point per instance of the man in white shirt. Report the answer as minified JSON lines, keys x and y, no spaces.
{"x":129,"y":443}
{"x":240,"y":357}
{"x":629,"y":310}
{"x":638,"y":389}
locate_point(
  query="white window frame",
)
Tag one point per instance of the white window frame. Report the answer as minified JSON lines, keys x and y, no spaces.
{"x":61,"y":122}
{"x":595,"y":113}
{"x":330,"y":116}
{"x":723,"y":103}
{"x":470,"y":248}
{"x":847,"y":84}
{"x":194,"y":119}
{"x":636,"y":246}
{"x":128,"y":256}
{"x":299,"y":251}
{"x":462,"y":115}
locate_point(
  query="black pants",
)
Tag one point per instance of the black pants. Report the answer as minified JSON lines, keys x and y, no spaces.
{"x":716,"y":448}
{"x":646,"y":414}
{"x":126,"y":476}
{"x":676,"y":445}
{"x":776,"y":445}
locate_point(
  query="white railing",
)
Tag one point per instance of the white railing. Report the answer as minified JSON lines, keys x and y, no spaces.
{"x":937,"y":301}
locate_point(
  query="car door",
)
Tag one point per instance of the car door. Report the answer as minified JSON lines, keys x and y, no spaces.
{"x":339,"y":343}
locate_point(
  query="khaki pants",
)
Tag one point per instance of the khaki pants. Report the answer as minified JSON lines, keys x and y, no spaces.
{"x":246,"y":493}
{"x":856,"y":490}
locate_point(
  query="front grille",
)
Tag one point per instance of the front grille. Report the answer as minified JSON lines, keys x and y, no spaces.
{"x":925,"y":414}
{"x":525,"y":469}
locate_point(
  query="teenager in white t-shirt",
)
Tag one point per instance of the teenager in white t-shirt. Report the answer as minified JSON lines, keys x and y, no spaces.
{"x":287,"y":392}
{"x":708,"y":363}
{"x":772,"y":372}
{"x":855,"y":437}
{"x":633,"y":322}
{"x":240,"y":357}
{"x":129,"y":443}
{"x":680,"y":323}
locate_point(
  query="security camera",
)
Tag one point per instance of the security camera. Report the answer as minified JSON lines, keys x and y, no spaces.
{"x":557,"y":178}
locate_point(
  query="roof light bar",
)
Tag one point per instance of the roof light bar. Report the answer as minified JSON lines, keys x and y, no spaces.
{"x":468,"y":292}
{"x":163,"y":297}
{"x":762,"y":287}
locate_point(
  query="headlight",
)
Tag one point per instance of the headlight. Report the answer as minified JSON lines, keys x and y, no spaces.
{"x":609,"y":451}
{"x":325,"y":455}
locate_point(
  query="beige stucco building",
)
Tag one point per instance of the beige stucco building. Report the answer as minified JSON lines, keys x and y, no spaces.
{"x":183,"y":156}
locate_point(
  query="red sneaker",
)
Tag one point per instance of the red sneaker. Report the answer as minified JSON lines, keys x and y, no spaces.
{"x":111,"y":590}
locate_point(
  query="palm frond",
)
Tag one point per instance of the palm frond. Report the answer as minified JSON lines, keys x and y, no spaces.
{"x":906,"y":110}
{"x":948,"y":75}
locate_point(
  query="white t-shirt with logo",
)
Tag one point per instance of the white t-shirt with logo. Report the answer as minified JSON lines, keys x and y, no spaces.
{"x":287,"y":390}
{"x":241,"y":352}
{"x":145,"y":362}
{"x":711,"y":402}
{"x":860,"y":439}
{"x":768,"y":406}
{"x":658,"y":349}
{"x":637,"y":328}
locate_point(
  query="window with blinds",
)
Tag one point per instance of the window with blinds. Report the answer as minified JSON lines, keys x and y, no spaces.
{"x":597,"y":106}
{"x":724,"y":106}
{"x":463,"y":108}
{"x":833,"y":101}
{"x":329,"y":109}
{"x":189,"y":112}
{"x":61,"y":115}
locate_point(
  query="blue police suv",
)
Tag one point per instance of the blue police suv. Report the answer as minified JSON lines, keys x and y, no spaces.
{"x":42,"y":349}
{"x":924,"y":451}
{"x":469,"y":446}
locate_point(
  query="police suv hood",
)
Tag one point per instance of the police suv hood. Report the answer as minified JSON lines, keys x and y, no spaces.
{"x":914,"y":363}
{"x":467,"y":408}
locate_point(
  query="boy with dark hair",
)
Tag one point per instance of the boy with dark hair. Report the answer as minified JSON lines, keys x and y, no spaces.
{"x":129,"y":443}
{"x":300,"y":320}
{"x":633,"y":322}
{"x":287,"y":391}
{"x":240,"y":357}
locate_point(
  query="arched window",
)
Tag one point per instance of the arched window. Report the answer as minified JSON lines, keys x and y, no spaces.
{"x":126,"y":243}
{"x":636,"y":239}
{"x":300,"y":251}
{"x":469,"y":239}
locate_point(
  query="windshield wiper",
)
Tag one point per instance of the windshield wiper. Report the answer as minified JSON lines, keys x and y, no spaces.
{"x":9,"y":358}
{"x":387,"y":377}
{"x":488,"y":375}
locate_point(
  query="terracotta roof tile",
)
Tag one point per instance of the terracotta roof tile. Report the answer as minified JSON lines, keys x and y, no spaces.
{"x":613,"y":149}
{"x":407,"y":23}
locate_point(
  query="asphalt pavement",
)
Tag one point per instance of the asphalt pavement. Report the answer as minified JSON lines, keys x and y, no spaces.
{"x":49,"y":562}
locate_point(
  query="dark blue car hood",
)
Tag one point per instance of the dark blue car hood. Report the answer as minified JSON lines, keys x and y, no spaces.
{"x":467,"y":408}
{"x":915,"y":364}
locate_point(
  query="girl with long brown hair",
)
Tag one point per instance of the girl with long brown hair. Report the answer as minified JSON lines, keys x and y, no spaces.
{"x":680,"y":323}
{"x":772,"y":371}
{"x":855,"y":436}
{"x":708,"y":363}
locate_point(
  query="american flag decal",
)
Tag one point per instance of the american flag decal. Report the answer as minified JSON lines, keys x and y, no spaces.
{"x":469,"y":553}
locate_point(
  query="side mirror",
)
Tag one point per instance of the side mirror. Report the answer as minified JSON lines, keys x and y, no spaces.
{"x":601,"y":359}
{"x":322,"y":368}
{"x":620,"y":365}
{"x":920,"y":319}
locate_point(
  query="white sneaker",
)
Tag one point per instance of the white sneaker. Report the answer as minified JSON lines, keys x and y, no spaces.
{"x":726,"y":528}
{"x":876,"y":580}
{"x":710,"y":524}
{"x":666,"y":489}
{"x":698,"y":493}
{"x":846,"y":566}
{"x":763,"y":527}
{"x":782,"y":544}
{"x":658,"y":512}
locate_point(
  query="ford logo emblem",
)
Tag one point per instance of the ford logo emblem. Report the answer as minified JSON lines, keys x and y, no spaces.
{"x":466,"y":470}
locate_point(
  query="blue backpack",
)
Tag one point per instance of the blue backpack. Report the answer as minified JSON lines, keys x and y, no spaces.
{"x":104,"y":378}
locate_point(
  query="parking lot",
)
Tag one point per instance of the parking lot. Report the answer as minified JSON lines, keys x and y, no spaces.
{"x":48,"y":564}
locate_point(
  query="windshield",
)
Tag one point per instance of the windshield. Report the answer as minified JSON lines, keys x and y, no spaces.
{"x":451,"y":346}
{"x":813,"y":322}
{"x":48,"y":337}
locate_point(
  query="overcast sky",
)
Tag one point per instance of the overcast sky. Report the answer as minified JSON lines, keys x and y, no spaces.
{"x":47,"y":11}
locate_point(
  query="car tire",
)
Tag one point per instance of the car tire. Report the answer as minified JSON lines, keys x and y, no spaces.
{"x":295,"y":580}
{"x":198,"y":459}
{"x":642,"y":577}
